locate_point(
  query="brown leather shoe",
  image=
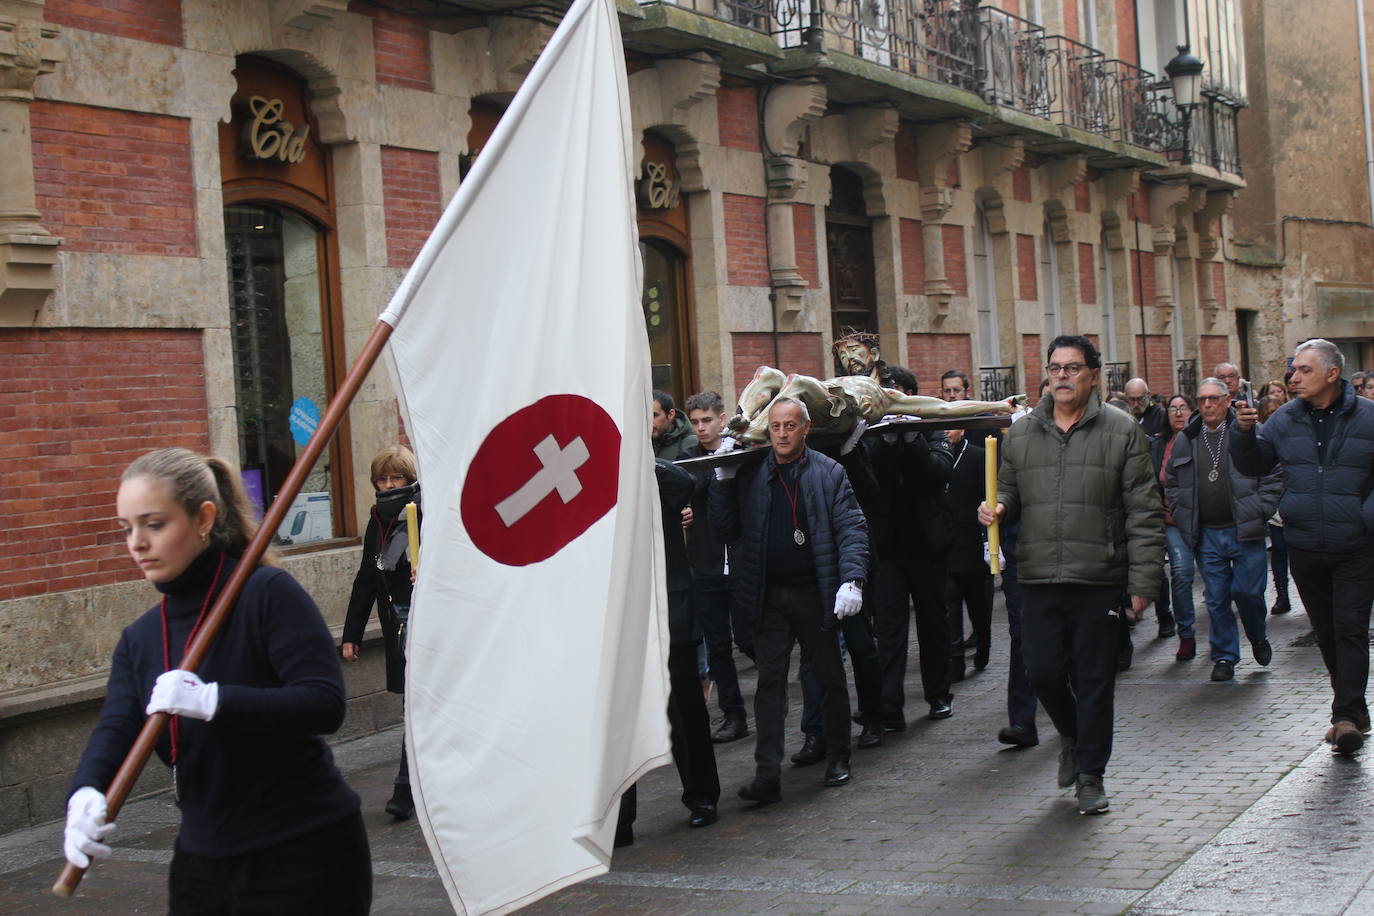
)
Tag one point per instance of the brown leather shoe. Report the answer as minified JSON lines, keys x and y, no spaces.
{"x":1346,"y":737}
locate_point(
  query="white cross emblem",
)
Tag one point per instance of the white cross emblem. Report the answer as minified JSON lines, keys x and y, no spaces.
{"x":559,"y":472}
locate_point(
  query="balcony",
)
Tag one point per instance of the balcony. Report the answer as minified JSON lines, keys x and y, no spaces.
{"x":1213,"y":136}
{"x":913,"y":52}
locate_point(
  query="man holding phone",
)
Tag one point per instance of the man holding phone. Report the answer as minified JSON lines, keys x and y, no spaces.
{"x":1325,"y":442}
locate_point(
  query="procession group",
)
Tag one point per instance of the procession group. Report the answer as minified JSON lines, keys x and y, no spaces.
{"x":1106,"y":506}
{"x":833,"y":545}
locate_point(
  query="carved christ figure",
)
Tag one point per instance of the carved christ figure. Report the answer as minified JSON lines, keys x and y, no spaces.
{"x":837,"y":404}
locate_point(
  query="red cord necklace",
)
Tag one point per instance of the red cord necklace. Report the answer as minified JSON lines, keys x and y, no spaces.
{"x":383,"y":534}
{"x":797,"y":534}
{"x":174,"y":727}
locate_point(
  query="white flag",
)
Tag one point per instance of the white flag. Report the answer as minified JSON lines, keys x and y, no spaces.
{"x":535,"y":684}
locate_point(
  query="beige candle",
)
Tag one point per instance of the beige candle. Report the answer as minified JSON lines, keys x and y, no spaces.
{"x":994,"y":533}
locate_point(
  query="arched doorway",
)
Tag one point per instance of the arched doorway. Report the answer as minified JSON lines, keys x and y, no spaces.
{"x":665,"y":241}
{"x":285,"y":325}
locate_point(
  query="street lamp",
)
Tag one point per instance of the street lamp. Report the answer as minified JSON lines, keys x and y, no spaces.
{"x":1185,"y":77}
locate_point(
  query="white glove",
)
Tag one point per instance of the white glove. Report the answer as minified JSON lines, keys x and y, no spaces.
{"x":727,"y":445}
{"x":849,"y":600}
{"x":183,"y":693}
{"x":854,"y":437}
{"x":86,"y":827}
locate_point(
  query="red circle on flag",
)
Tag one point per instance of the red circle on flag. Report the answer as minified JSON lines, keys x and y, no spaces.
{"x":543,"y":476}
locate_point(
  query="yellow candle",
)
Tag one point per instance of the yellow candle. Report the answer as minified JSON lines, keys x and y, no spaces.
{"x":994,"y":533}
{"x":413,"y":532}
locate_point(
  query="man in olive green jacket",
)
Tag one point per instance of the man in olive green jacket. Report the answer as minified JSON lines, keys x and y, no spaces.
{"x":1078,"y":477}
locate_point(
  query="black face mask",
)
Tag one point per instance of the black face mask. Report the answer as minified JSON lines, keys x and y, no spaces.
{"x":391,"y":502}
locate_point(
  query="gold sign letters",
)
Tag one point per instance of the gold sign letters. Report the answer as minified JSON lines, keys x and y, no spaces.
{"x":269,"y":137}
{"x":656,"y":190}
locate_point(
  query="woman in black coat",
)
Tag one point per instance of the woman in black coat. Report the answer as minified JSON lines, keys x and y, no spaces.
{"x":384,"y":580}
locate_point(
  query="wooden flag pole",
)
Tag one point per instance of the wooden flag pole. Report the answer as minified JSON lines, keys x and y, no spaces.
{"x":147,"y":739}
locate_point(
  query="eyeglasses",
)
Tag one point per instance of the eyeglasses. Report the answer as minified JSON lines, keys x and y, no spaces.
{"x":1208,"y":398}
{"x":1178,"y":410}
{"x":1069,"y":369}
{"x":1226,"y":375}
{"x":1141,"y":399}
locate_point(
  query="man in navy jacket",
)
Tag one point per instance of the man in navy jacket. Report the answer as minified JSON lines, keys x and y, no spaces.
{"x":1325,"y":441}
{"x":799,"y":561}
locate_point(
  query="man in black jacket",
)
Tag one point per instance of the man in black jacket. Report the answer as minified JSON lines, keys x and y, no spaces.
{"x":712,"y":596}
{"x":1147,"y":413}
{"x":1325,"y":440}
{"x":799,"y":562}
{"x":911,"y":550}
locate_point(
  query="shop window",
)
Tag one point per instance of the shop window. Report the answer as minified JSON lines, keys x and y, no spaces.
{"x":280,"y":372}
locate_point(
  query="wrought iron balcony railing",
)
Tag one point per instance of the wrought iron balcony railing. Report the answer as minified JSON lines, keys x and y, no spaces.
{"x":997,"y":382}
{"x":1006,"y":59}
{"x":1117,"y":375}
{"x":1078,"y":85}
{"x":1013,"y":66}
{"x":1187,"y":377}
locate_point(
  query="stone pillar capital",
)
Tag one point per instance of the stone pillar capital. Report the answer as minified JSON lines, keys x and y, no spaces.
{"x":28,"y":48}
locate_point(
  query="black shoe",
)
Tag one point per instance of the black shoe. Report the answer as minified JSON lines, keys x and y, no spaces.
{"x":812,"y":751}
{"x":1264,"y":653}
{"x":942,"y":708}
{"x":980,"y":658}
{"x":401,"y":805}
{"x":761,"y":792}
{"x":1018,"y":735}
{"x":703,"y":816}
{"x":1281,"y":606}
{"x":837,"y":773}
{"x":897,"y":724}
{"x":624,"y":838}
{"x":730,"y":730}
{"x":1223,"y":671}
{"x":871,"y":736}
{"x":1167,"y":628}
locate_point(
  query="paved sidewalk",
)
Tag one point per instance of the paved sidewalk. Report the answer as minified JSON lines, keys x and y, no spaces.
{"x":940,"y":819}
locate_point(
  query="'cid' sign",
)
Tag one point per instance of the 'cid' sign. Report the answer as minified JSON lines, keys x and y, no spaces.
{"x":267,"y":136}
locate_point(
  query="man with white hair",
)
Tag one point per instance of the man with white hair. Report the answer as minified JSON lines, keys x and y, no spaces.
{"x":1325,"y":441}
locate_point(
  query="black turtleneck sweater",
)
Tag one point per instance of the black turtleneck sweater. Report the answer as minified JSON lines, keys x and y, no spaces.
{"x":256,"y":775}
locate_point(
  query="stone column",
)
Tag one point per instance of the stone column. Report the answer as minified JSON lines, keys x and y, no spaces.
{"x":937,"y":148}
{"x":28,"y":252}
{"x":790,"y":109}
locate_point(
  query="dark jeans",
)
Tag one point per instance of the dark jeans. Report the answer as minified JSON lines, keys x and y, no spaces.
{"x":690,"y":728}
{"x":1071,"y":637}
{"x":1182,"y":568}
{"x":1020,"y":695}
{"x":722,"y":621}
{"x":1278,"y":558}
{"x":794,"y":614}
{"x":897,"y":587}
{"x":857,"y":632}
{"x":328,"y":870}
{"x":974,"y":591}
{"x":1337,"y":590}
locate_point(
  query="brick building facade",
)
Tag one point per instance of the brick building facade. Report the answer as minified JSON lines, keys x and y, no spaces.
{"x":966,"y":193}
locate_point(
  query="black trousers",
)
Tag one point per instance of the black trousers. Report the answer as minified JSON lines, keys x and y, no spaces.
{"x":1070,"y":637}
{"x":794,"y":614}
{"x":974,"y":591}
{"x":690,"y":728}
{"x":896,"y":588}
{"x":857,"y":632}
{"x":328,"y":870}
{"x":1337,"y":590}
{"x":724,"y":627}
{"x":1020,"y":696}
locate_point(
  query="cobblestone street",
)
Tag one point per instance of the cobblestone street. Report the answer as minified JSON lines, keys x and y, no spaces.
{"x":940,"y":819}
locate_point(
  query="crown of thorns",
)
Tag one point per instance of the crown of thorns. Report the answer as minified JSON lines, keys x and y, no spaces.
{"x":867,"y":338}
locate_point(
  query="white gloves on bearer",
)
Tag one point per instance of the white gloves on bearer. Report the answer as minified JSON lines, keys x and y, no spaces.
{"x":849,"y":600}
{"x":183,"y":693}
{"x":727,"y":445}
{"x":86,"y":827}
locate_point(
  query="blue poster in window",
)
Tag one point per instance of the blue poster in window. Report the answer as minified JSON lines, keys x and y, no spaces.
{"x":305,"y":418}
